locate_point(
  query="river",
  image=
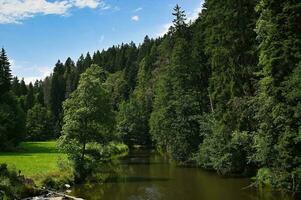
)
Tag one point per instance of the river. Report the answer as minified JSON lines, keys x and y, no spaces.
{"x":149,"y":176}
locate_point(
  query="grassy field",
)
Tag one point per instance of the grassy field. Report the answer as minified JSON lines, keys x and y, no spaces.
{"x":35,"y":159}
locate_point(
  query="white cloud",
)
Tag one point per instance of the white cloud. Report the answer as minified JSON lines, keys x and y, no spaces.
{"x":33,"y":79}
{"x":86,"y":3}
{"x":41,"y":71}
{"x":163,"y":29}
{"x":36,"y":72}
{"x":195,"y":14}
{"x":138,"y":9}
{"x":135,"y":18}
{"x":14,"y":11}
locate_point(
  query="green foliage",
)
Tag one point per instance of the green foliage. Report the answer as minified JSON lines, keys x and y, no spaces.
{"x":57,"y":93}
{"x":5,"y":73}
{"x":12,"y":122}
{"x":227,"y":154}
{"x":230,"y":47}
{"x":13,"y":186}
{"x":174,"y":120}
{"x":224,"y":89}
{"x":39,"y":124}
{"x":277,"y":140}
{"x":29,"y":101}
{"x":116,"y":87}
{"x":133,"y":123}
{"x":88,"y":119}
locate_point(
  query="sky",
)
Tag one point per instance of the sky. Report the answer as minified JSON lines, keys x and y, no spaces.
{"x":36,"y":33}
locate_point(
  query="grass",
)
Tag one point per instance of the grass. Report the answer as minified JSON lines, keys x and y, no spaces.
{"x":35,"y":159}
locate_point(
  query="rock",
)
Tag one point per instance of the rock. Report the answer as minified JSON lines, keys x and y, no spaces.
{"x":67,"y":186}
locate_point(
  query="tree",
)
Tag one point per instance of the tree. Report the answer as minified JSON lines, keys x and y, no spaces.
{"x":174,"y":120}
{"x":88,"y":119}
{"x":116,"y":87}
{"x":47,"y":91}
{"x":131,"y":68}
{"x":179,"y":25}
{"x":39,"y":124}
{"x":57,"y":93}
{"x":16,"y":88}
{"x":12,"y":122}
{"x":230,"y":46}
{"x":71,"y":77}
{"x":132,"y":124}
{"x":5,"y":73}
{"x":38,"y":92}
{"x":30,"y":97}
{"x":23,"y":87}
{"x":277,"y":140}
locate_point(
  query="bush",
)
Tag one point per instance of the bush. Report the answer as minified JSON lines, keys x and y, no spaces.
{"x":13,"y":186}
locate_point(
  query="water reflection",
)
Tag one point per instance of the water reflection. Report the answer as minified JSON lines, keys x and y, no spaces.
{"x":148,"y":176}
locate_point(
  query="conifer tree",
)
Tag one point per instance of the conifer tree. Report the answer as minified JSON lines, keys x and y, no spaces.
{"x":5,"y":73}
{"x":30,"y":97}
{"x":57,"y":92}
{"x":173,"y":123}
{"x":23,"y":87}
{"x":16,"y":87}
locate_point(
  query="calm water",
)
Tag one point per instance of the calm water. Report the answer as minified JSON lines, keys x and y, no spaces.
{"x":148,"y":176}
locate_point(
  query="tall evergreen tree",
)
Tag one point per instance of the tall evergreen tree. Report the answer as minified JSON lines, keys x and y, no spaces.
{"x":57,"y":92}
{"x":80,"y":64}
{"x":5,"y":73}
{"x":71,"y":77}
{"x":23,"y":87}
{"x":16,"y":87}
{"x":30,"y":97}
{"x":174,"y":121}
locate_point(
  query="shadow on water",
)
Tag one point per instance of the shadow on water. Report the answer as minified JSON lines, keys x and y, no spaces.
{"x":135,"y":179}
{"x":141,"y":163}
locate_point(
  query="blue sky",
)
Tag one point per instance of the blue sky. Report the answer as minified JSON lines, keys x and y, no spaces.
{"x":36,"y":33}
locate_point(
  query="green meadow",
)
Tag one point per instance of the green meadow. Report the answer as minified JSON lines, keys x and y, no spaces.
{"x":34,"y":159}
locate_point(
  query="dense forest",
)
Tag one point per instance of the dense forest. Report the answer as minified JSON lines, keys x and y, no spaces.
{"x":223,"y":91}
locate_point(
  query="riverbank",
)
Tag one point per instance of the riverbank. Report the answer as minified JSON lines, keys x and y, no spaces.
{"x":35,"y":166}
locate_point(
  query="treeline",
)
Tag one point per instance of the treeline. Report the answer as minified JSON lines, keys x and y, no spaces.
{"x":224,"y":91}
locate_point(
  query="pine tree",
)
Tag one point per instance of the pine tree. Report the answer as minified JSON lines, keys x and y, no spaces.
{"x":80,"y":64}
{"x":131,"y":67}
{"x":47,"y":91}
{"x":174,"y":120}
{"x":5,"y":73}
{"x":16,"y":87}
{"x":57,"y":92}
{"x":179,"y":24}
{"x":70,"y":76}
{"x":30,"y":97}
{"x":87,"y":61}
{"x":23,"y":87}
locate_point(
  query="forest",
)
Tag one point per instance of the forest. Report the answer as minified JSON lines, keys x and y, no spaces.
{"x":222,"y":92}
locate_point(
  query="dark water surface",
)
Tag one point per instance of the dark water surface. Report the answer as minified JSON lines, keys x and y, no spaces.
{"x":148,"y":176}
